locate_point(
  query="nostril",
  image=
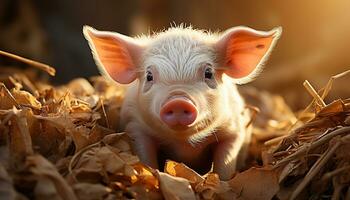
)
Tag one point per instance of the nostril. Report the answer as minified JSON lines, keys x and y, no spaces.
{"x":178,"y":112}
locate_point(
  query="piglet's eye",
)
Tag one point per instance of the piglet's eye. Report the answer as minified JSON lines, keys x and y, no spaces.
{"x":208,"y":73}
{"x":149,"y":76}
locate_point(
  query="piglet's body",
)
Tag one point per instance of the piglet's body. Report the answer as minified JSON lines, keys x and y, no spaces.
{"x":182,"y":101}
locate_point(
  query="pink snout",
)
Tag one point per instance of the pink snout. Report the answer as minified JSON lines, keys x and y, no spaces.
{"x":178,"y":112}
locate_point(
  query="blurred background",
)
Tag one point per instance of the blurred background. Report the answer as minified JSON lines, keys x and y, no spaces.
{"x":314,"y":44}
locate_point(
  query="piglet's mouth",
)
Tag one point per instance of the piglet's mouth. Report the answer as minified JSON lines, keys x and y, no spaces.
{"x":178,"y":112}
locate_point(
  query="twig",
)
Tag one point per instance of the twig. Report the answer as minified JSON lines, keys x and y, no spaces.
{"x":329,"y":175}
{"x":275,"y":140}
{"x":50,"y":70}
{"x":104,"y":112}
{"x":255,"y":111}
{"x":309,"y":146}
{"x":328,"y":87}
{"x":337,"y":188}
{"x":313,"y":93}
{"x":315,"y":169}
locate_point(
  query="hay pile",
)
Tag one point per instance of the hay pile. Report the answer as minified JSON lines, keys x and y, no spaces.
{"x":61,"y":143}
{"x":313,"y":160}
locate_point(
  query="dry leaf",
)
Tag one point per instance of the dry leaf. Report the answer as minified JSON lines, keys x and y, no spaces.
{"x":80,"y":87}
{"x":45,"y":189}
{"x":25,"y":98}
{"x":174,"y":188}
{"x":43,"y":168}
{"x":181,"y":170}
{"x":255,"y":183}
{"x":90,"y":191}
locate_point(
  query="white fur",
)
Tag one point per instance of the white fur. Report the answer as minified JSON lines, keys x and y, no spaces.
{"x":178,"y":52}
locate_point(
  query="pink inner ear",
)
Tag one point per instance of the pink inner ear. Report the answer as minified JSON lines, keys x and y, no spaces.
{"x":244,"y":51}
{"x":114,"y":57}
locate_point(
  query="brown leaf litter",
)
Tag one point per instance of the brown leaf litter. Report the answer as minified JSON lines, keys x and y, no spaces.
{"x":62,"y":143}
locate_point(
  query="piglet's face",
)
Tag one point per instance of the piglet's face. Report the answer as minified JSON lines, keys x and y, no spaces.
{"x":179,"y":78}
{"x":180,"y":71}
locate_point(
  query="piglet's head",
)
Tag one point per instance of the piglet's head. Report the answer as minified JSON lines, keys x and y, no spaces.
{"x":181,"y":71}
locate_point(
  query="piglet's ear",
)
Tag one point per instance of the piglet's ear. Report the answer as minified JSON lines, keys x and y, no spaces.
{"x":116,"y":55}
{"x":243,"y":50}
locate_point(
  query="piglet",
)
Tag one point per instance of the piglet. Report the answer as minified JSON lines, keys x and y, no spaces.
{"x":182,"y":101}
